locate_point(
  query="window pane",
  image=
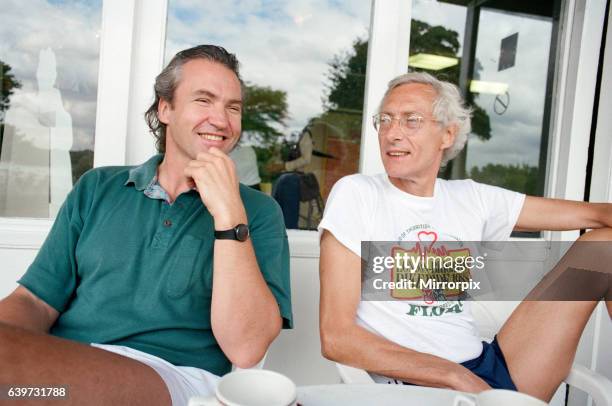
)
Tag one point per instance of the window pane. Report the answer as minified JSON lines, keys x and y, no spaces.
{"x":304,"y":64}
{"x":48,"y":87}
{"x":510,"y":83}
{"x":497,"y":52}
{"x":507,"y":80}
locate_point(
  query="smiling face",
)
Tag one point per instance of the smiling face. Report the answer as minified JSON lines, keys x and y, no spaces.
{"x":415,"y":154}
{"x":206,"y":110}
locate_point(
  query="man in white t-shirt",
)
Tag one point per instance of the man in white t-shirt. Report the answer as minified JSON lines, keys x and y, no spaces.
{"x":422,"y":124}
{"x":246,"y":165}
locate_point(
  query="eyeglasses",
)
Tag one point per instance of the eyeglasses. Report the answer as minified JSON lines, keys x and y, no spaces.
{"x":409,"y":124}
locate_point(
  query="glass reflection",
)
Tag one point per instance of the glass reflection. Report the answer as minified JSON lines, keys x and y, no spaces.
{"x":48,"y":86}
{"x":304,"y":64}
{"x":492,"y":50}
{"x":512,"y":88}
{"x":36,"y":142}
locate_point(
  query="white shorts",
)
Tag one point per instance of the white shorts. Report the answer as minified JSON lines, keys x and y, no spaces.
{"x":182,"y":382}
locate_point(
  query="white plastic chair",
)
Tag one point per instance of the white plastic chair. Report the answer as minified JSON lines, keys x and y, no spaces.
{"x":489,"y":317}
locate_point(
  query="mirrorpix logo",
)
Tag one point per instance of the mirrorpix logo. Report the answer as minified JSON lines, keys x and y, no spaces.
{"x":429,"y":270}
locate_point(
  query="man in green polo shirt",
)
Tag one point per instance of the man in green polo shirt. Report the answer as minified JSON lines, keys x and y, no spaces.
{"x":171,"y":270}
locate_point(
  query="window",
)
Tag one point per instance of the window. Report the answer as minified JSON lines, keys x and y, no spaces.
{"x":48,"y":89}
{"x":304,"y":65}
{"x":498,"y":53}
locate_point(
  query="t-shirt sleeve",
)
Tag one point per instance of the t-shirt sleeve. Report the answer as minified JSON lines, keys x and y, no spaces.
{"x":346,"y":214}
{"x":271,"y":246}
{"x":52,"y":276}
{"x":502,"y":208}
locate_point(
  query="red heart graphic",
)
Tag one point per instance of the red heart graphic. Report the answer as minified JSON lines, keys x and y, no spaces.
{"x":427,"y":236}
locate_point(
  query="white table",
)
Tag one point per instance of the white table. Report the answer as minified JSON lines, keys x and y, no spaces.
{"x":374,"y":394}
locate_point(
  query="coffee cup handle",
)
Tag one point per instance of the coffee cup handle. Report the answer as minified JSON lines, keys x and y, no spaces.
{"x":461,"y":399}
{"x":201,"y":401}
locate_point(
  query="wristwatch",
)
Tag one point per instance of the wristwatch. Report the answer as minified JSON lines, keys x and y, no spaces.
{"x":238,"y":233}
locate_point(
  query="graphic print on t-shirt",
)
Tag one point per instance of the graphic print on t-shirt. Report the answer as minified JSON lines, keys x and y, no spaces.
{"x":428,"y":259}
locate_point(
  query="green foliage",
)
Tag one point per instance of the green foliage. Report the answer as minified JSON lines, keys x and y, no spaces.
{"x":347,"y":73}
{"x":7,"y":84}
{"x":520,"y":178}
{"x":264,"y":114}
{"x":481,"y":124}
{"x":435,"y":40}
{"x":82,"y":161}
{"x":265,"y":155}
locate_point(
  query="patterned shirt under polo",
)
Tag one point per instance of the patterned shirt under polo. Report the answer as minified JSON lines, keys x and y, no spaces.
{"x":125,"y":267}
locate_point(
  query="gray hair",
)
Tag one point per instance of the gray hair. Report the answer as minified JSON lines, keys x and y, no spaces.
{"x":448,"y":107}
{"x":168,"y":80}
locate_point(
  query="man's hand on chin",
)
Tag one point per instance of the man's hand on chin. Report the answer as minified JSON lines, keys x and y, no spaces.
{"x":214,"y":176}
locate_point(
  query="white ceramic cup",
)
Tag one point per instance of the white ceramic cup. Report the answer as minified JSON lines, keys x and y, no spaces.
{"x":498,"y":397}
{"x":251,"y":387}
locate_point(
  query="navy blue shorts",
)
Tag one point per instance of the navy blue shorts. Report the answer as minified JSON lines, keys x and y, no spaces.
{"x":491,"y":366}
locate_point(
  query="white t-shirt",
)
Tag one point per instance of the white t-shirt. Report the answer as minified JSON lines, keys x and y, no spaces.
{"x":370,"y":208}
{"x":246,"y":164}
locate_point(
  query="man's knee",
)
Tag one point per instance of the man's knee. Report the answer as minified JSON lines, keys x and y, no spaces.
{"x":593,"y":251}
{"x":599,"y":234}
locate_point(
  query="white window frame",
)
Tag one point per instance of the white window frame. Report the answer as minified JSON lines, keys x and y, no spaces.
{"x":601,"y":191}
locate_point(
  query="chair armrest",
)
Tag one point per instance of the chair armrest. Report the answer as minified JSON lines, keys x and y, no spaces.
{"x":353,"y":375}
{"x":596,"y":385}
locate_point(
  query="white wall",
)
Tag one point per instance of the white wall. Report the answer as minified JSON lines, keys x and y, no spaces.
{"x":14,"y":264}
{"x":297,"y":352}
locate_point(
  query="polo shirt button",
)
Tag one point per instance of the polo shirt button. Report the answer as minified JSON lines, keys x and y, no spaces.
{"x":167,"y":223}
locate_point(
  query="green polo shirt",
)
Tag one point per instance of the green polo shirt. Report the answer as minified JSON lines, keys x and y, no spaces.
{"x":125,"y":267}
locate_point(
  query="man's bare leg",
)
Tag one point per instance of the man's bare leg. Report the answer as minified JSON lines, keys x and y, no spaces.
{"x":540,"y":338}
{"x":93,"y":376}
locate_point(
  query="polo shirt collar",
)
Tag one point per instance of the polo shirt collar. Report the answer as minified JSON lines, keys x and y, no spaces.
{"x":145,"y":175}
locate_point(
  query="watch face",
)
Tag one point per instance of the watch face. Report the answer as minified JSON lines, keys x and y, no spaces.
{"x":242,"y":232}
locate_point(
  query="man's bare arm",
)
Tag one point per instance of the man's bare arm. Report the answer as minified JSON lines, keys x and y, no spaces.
{"x":539,"y":213}
{"x":245,"y":316}
{"x":342,"y":340}
{"x":24,"y":309}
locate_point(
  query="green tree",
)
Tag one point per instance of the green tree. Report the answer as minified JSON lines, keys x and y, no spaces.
{"x":521,"y":178}
{"x":264,"y":114}
{"x":437,"y":40}
{"x":347,"y":72}
{"x":82,"y":161}
{"x":8,"y":84}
